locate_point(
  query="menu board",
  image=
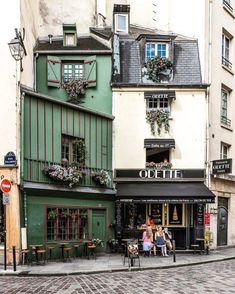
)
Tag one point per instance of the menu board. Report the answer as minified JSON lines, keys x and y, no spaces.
{"x":175,"y":214}
{"x":156,"y":213}
{"x":200,"y":214}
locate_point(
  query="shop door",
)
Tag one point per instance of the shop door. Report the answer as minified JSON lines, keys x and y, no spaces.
{"x":222,"y":226}
{"x":99,"y":226}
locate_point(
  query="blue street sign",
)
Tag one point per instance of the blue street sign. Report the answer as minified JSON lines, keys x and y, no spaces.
{"x":10,"y":158}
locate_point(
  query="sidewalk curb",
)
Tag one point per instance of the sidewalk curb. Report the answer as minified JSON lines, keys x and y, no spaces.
{"x":99,"y":271}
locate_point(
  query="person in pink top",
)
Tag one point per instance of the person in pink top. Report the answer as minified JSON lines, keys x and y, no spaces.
{"x":148,"y":239}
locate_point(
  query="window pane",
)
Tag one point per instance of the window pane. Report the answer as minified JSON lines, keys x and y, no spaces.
{"x":121,"y":22}
{"x":161,"y":50}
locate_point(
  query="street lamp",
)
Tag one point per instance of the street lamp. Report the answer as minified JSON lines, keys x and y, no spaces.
{"x":17,"y":47}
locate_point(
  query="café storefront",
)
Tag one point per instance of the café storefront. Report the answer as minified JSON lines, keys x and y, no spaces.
{"x":170,"y":198}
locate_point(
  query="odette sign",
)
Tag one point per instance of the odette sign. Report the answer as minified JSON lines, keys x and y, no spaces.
{"x":5,"y":186}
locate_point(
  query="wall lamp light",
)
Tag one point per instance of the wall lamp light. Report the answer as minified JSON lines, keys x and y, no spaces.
{"x":17,"y":47}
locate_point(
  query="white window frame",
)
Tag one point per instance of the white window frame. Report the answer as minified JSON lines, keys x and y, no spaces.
{"x":159,"y":103}
{"x":72,"y":71}
{"x":224,"y":151}
{"x":68,"y":38}
{"x":117,"y":29}
{"x":156,"y":49}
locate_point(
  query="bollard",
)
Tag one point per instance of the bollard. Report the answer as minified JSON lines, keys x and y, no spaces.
{"x":14,"y":257}
{"x":174,"y":256}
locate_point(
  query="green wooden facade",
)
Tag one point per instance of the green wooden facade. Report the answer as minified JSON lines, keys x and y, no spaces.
{"x":47,"y":116}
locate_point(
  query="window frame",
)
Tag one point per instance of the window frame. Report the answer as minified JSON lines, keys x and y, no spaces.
{"x":223,"y":147}
{"x":225,"y":107}
{"x":67,"y":36}
{"x":74,"y":74}
{"x":67,"y":228}
{"x":117,"y":29}
{"x":72,"y":157}
{"x":226,"y":49}
{"x":156,"y":50}
{"x":157,"y":102}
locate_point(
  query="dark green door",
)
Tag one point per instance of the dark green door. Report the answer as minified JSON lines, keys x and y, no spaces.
{"x":99,"y":226}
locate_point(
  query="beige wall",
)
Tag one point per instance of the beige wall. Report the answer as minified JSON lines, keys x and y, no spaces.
{"x":131,"y":128}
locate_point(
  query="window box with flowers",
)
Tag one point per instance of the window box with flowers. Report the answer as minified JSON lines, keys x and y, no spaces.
{"x":158,"y":66}
{"x":160,"y":118}
{"x":101,"y":177}
{"x":158,"y":165}
{"x":68,"y":175}
{"x":75,"y":88}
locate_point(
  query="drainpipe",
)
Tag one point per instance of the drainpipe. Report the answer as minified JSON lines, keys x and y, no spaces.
{"x":35,"y":71}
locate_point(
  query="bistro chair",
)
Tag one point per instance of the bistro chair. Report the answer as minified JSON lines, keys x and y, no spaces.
{"x":91,"y":249}
{"x":67,"y":253}
{"x":41,"y":255}
{"x":132,"y":253}
{"x":50,"y":249}
{"x":25,"y":256}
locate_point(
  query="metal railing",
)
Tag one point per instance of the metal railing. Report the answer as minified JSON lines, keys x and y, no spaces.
{"x":226,"y":62}
{"x":225,"y":121}
{"x":34,"y":172}
{"x":227,"y":5}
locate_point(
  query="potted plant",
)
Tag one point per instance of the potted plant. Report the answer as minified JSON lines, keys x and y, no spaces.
{"x":52,"y":214}
{"x":159,"y":117}
{"x":98,"y":242}
{"x":156,"y":66}
{"x":159,"y":165}
{"x":101,"y":177}
{"x":75,"y":88}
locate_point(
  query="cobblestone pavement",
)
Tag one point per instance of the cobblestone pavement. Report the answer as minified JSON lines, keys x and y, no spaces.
{"x":217,"y":277}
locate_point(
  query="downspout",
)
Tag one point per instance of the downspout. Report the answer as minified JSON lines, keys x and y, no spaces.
{"x":35,"y":71}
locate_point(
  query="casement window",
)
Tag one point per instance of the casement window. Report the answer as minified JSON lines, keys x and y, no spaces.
{"x":121,"y":23}
{"x":156,"y":49}
{"x":70,"y":39}
{"x":226,"y":44}
{"x":72,"y":150}
{"x":225,"y":95}
{"x":73,"y":71}
{"x":158,"y":103}
{"x":224,"y":151}
{"x":60,"y":70}
{"x":66,"y":224}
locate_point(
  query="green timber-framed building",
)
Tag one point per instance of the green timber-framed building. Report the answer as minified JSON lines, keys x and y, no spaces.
{"x":51,"y":124}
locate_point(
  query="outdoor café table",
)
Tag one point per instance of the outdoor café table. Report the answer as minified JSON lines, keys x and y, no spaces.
{"x":62,"y":246}
{"x":35,"y":248}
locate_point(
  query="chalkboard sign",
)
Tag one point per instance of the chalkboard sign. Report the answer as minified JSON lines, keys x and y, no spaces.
{"x":200,"y":212}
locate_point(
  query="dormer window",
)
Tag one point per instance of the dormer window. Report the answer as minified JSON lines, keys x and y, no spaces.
{"x":156,"y":49}
{"x":70,"y":34}
{"x":121,"y":19}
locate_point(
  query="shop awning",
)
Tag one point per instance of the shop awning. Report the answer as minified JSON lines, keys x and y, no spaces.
{"x":164,"y":192}
{"x":159,"y":143}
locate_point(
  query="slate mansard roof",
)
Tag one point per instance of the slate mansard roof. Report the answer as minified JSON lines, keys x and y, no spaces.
{"x":185,"y":56}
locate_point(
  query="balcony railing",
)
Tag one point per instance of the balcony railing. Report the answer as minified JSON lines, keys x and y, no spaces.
{"x":226,"y":62}
{"x":225,"y":121}
{"x":228,"y":6}
{"x":34,"y":172}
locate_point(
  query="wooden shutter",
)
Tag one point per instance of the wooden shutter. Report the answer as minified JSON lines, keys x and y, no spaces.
{"x":90,"y":70}
{"x":53,"y":71}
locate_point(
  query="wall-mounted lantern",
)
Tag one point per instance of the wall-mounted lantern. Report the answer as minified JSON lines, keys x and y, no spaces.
{"x":17,"y":47}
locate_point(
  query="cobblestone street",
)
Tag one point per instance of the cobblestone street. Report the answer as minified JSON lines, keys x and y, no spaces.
{"x":217,"y":277}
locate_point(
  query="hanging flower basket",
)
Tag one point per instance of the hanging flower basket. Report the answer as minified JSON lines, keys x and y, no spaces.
{"x":159,"y":117}
{"x":156,"y":66}
{"x":101,"y":177}
{"x":75,"y":88}
{"x":70,"y":176}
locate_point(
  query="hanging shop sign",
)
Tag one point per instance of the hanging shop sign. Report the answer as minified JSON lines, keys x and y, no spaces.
{"x":10,"y":158}
{"x":223,"y":166}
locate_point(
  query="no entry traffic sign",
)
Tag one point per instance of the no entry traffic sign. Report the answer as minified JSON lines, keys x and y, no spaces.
{"x":5,"y":186}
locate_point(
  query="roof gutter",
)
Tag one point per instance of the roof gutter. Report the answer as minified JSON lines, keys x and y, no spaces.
{"x":85,"y":52}
{"x":131,"y":85}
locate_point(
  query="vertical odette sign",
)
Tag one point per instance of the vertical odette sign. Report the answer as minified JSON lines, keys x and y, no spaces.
{"x":5,"y":186}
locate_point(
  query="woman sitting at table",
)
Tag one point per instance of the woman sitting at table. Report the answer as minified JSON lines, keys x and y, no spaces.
{"x":148,"y":240}
{"x":160,"y":240}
